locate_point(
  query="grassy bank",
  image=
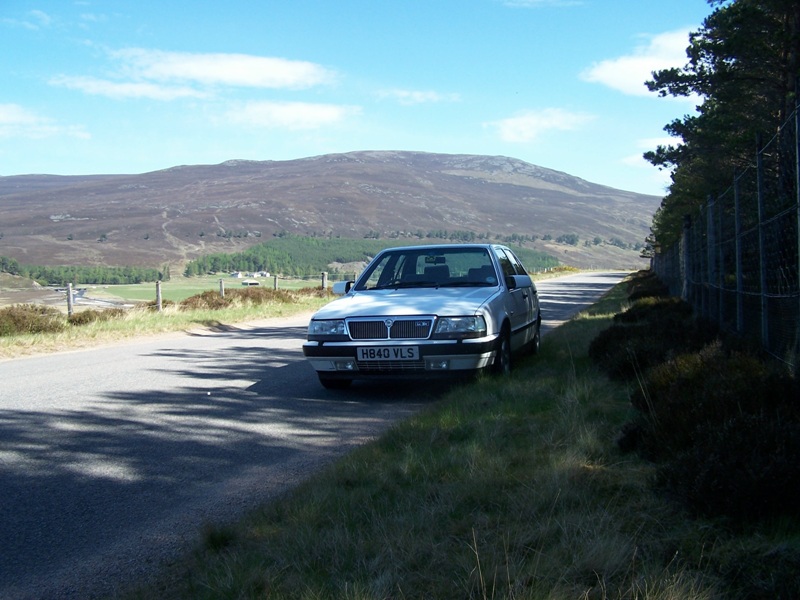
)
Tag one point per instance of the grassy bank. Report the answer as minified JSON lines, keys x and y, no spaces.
{"x":49,"y":330}
{"x":507,"y":488}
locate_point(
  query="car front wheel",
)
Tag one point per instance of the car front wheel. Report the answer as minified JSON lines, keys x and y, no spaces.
{"x":502,"y":357}
{"x":536,"y":342}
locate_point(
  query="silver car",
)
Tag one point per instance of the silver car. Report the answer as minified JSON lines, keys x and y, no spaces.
{"x":424,"y":311}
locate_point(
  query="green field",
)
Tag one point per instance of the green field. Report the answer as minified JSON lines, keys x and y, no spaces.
{"x":180,"y":288}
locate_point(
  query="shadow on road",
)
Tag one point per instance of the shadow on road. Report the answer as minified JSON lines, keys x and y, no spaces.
{"x":127,"y":462}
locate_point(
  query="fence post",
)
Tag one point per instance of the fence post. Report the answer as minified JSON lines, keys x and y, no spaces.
{"x":70,"y":306}
{"x":686,"y":292}
{"x":711,"y":274}
{"x":720,"y":241}
{"x":275,"y":282}
{"x":762,"y":258}
{"x":797,"y":205}
{"x":324,"y":280}
{"x":221,"y":288}
{"x":737,"y":215}
{"x":158,"y":295}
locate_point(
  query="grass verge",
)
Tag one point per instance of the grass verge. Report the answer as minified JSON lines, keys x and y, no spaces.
{"x":506,"y":488}
{"x":60,"y":333}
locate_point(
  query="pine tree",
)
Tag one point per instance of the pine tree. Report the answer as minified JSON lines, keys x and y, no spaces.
{"x":743,"y":66}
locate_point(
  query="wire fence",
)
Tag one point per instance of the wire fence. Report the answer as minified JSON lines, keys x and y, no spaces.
{"x":737,"y":260}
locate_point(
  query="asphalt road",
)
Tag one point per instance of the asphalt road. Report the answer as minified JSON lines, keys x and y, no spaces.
{"x":113,"y":459}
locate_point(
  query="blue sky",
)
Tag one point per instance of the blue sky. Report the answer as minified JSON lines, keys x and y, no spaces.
{"x":130,"y":86}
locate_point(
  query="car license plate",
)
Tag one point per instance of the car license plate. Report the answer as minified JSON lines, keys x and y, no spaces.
{"x":388,"y":353}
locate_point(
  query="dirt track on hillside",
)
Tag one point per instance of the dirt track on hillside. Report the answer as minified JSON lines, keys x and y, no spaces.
{"x":16,"y":293}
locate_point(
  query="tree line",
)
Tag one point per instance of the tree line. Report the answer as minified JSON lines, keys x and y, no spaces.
{"x":286,"y":255}
{"x":743,"y":64}
{"x":296,"y":256}
{"x":62,"y":275}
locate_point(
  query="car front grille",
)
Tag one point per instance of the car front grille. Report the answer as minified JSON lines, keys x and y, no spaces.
{"x":394,"y":366}
{"x":391,"y":329}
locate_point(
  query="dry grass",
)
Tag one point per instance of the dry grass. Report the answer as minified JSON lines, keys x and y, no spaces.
{"x":145,"y":321}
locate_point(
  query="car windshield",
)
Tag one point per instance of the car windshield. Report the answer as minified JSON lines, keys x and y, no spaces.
{"x":418,"y":267}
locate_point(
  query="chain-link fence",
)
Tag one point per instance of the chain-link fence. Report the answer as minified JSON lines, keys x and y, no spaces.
{"x":737,"y":260}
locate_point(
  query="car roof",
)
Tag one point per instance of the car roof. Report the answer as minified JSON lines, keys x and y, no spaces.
{"x":443,"y":247}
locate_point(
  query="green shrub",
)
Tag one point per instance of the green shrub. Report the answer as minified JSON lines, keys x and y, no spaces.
{"x":153,"y":305}
{"x":258,"y":295}
{"x":746,"y":468}
{"x":255,"y":296}
{"x":90,"y":316}
{"x":682,"y":399}
{"x":722,"y":423}
{"x":652,"y":309}
{"x":651,"y":331}
{"x":30,"y":318}
{"x":209,"y":300}
{"x":646,"y":284}
{"x":763,"y":571}
{"x":316,"y":292}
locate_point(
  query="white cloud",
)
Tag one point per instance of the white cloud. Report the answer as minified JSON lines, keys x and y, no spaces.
{"x":240,"y":70}
{"x":627,"y":74}
{"x":112,"y":89}
{"x":291,"y":115}
{"x":34,"y":20}
{"x":527,"y":126}
{"x":159,"y":75}
{"x":637,"y":161}
{"x":14,"y":114}
{"x":661,"y":178}
{"x":41,"y":18}
{"x":410,"y":97}
{"x":93,"y":18}
{"x":647,"y":144}
{"x":18,"y":121}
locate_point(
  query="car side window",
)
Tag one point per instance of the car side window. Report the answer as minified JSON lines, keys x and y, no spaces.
{"x":382,"y":272}
{"x":505,"y":263}
{"x":520,"y":270}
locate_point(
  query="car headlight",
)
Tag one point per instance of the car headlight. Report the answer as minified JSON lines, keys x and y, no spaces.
{"x":460,"y":327}
{"x":326,"y":330}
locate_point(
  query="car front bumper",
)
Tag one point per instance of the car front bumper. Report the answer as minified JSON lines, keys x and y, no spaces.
{"x":439,"y":357}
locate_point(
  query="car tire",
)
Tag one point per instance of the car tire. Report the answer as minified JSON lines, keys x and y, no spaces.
{"x":536,"y":342}
{"x":502,"y":357}
{"x":334,"y":383}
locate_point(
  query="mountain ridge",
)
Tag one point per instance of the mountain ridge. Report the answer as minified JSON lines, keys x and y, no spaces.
{"x":176,"y":214}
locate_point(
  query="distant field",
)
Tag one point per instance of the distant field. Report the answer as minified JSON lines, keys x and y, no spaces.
{"x":180,"y":288}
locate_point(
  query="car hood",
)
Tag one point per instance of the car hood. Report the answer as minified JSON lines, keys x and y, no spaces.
{"x":409,"y":301}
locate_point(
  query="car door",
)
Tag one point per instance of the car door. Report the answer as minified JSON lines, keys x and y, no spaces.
{"x":518,"y":301}
{"x":530,"y":295}
{"x":527,"y":298}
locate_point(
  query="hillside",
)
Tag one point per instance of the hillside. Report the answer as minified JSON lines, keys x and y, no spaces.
{"x":177,"y":214}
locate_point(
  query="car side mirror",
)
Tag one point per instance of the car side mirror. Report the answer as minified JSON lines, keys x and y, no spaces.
{"x":518,"y":281}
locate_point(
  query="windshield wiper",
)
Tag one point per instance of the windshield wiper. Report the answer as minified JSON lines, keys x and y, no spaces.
{"x":415,"y":284}
{"x":466,"y":284}
{"x":404,"y":285}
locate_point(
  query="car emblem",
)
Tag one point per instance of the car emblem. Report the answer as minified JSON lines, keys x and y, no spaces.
{"x":388,"y":323}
